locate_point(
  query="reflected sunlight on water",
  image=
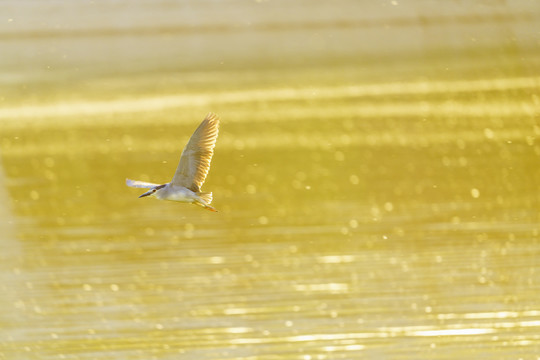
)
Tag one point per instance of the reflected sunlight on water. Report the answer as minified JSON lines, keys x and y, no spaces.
{"x":392,"y":216}
{"x":393,"y":108}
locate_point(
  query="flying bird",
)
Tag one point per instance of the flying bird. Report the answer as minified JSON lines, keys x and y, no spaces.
{"x":189,"y":177}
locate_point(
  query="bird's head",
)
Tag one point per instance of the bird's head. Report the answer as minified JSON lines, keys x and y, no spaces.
{"x":153,"y":191}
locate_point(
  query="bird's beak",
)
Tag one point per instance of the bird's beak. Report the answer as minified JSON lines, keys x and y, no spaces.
{"x":147,"y":193}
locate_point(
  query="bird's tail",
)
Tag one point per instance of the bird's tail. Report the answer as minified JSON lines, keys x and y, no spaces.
{"x":206,"y":197}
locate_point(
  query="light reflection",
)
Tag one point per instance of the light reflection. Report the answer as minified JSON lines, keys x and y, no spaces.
{"x":451,"y":332}
{"x":413,"y":331}
{"x":153,"y":103}
{"x":237,"y":311}
{"x":458,"y":329}
{"x":335,"y":259}
{"x":354,"y":347}
{"x":339,"y":338}
{"x":332,"y":288}
{"x":490,"y":315}
{"x":238,"y":330}
{"x":216,"y":260}
{"x":155,"y":284}
{"x":532,"y":323}
{"x":522,"y":343}
{"x":244,"y":311}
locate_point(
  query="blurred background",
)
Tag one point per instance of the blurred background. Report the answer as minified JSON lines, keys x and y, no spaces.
{"x":376,"y":177}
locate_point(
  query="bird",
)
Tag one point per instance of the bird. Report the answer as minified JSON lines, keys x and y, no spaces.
{"x":192,"y":169}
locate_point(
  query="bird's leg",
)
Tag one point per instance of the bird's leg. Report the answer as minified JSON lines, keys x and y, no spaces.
{"x":207,"y":207}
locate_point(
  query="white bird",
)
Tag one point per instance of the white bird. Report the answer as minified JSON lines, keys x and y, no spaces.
{"x":187,"y":181}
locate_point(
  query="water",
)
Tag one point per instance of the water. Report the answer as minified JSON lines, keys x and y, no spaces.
{"x":386,"y":211}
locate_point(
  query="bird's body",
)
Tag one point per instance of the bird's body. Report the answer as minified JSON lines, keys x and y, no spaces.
{"x":192,"y":169}
{"x":176,"y":193}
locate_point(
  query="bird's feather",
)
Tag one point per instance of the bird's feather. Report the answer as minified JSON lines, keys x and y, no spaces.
{"x":140,"y":184}
{"x":206,"y":197}
{"x":196,"y":156}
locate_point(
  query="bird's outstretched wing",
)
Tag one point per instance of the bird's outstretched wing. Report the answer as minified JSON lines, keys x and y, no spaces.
{"x":139,"y":184}
{"x":195,"y":160}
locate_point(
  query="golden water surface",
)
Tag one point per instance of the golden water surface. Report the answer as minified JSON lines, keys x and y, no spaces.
{"x":361,"y":215}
